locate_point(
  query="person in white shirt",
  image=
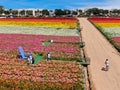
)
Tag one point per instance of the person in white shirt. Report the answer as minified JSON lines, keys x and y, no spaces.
{"x":107,"y":64}
{"x":48,"y":56}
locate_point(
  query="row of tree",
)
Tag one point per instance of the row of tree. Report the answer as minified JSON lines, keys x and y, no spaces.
{"x":60,"y":12}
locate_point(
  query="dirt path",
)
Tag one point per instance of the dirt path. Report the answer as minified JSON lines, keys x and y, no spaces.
{"x":98,"y":49}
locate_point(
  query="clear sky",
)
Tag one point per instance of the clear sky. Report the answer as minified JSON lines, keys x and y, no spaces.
{"x":60,"y":4}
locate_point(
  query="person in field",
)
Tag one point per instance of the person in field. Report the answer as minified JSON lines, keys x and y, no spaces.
{"x":48,"y":57}
{"x":30,"y":59}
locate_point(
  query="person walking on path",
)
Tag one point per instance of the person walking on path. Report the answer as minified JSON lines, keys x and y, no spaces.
{"x":107,"y":65}
{"x":48,"y":57}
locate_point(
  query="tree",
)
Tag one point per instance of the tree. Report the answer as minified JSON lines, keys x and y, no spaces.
{"x":59,"y":12}
{"x":106,"y":12}
{"x":115,"y":12}
{"x":22,"y":12}
{"x":1,"y":9}
{"x":88,"y":12}
{"x":29,"y":13}
{"x":74,"y":12}
{"x":15,"y":13}
{"x":96,"y":12}
{"x":6,"y":12}
{"x":103,"y":12}
{"x":45,"y":12}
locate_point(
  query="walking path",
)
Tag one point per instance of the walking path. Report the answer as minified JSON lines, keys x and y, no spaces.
{"x":98,"y":49}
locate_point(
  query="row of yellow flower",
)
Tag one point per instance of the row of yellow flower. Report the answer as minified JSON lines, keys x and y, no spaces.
{"x":108,"y":25}
{"x":44,"y":24}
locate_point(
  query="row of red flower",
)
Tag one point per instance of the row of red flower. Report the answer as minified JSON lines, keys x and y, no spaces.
{"x":105,"y":20}
{"x":49,"y":18}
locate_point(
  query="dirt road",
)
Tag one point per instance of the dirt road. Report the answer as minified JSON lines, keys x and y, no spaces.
{"x":98,"y":49}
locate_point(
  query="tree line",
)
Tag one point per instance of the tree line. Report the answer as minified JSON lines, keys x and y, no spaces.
{"x":60,"y":12}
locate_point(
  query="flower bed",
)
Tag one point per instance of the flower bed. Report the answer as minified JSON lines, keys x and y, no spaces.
{"x":117,"y":40}
{"x":55,"y":75}
{"x":53,"y":22}
{"x":63,"y":47}
{"x":110,"y":27}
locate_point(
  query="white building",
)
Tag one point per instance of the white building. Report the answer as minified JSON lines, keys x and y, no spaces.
{"x":35,"y":12}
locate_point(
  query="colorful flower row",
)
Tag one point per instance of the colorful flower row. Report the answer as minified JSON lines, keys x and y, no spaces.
{"x":106,"y":22}
{"x":16,"y":74}
{"x":42,"y":19}
{"x":42,"y":24}
{"x":110,"y":27}
{"x":38,"y":22}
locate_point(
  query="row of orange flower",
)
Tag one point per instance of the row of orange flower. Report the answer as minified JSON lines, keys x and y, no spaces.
{"x":55,"y":75}
{"x":41,"y":19}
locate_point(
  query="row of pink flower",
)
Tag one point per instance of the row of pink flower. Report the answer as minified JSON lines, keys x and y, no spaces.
{"x":62,"y":46}
{"x":40,"y":38}
{"x":116,"y":39}
{"x":35,"y":42}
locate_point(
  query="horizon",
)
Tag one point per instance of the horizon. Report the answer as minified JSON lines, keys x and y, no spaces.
{"x":68,"y":4}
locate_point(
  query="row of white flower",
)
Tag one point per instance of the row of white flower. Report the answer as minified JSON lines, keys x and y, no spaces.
{"x":38,"y":30}
{"x":112,"y":31}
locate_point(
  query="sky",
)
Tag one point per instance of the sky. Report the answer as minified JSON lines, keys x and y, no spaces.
{"x":60,"y":4}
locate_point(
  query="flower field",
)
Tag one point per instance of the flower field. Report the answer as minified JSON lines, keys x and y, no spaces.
{"x":110,"y":27}
{"x":61,"y":73}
